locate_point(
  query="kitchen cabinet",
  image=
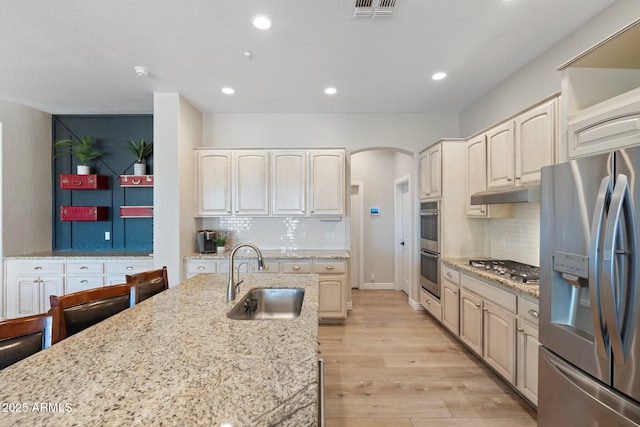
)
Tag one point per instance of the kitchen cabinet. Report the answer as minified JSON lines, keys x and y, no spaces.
{"x":332,"y":302}
{"x":488,"y":324}
{"x":450,"y":298}
{"x":251,"y":178}
{"x":29,"y":284}
{"x":213,"y":183}
{"x":431,"y":305}
{"x":270,"y":182}
{"x":83,"y":275}
{"x":431,"y":173}
{"x":527,"y":378}
{"x":535,"y":136}
{"x":327,"y":182}
{"x":117,"y":269}
{"x":288,"y":182}
{"x":517,"y":149}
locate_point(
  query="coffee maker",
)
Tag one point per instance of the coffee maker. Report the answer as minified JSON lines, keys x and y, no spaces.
{"x":207,"y":241}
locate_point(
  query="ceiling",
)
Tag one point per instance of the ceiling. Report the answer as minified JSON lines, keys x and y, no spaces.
{"x":78,"y":57}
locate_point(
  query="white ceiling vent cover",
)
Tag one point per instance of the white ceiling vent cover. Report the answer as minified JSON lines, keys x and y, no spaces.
{"x":373,"y":8}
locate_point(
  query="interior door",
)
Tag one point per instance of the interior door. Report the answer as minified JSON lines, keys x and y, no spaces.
{"x":406,"y":237}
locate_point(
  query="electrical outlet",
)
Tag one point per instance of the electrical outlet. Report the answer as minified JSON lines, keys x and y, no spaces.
{"x":373,"y":277}
{"x":107,"y":235}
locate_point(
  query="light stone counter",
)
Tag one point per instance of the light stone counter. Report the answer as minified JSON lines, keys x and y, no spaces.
{"x":463,"y":266}
{"x":176,"y":359}
{"x":101,"y":255}
{"x":276,"y":254}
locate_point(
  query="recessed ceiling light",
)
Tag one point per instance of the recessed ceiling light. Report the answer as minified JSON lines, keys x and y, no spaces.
{"x":439,"y":76}
{"x":261,"y":22}
{"x":331,"y":91}
{"x":248,"y":53}
{"x":141,"y":71}
{"x":228,"y":91}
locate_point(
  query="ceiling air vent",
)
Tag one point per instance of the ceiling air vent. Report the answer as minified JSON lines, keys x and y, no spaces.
{"x":373,"y":8}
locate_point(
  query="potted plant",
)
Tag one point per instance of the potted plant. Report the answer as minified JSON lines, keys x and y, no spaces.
{"x":141,"y":149}
{"x":220,"y":242}
{"x":83,"y":149}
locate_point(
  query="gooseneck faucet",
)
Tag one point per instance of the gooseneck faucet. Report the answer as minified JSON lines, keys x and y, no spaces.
{"x":232,"y":286}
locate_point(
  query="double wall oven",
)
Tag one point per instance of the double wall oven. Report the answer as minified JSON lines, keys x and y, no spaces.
{"x":430,"y":247}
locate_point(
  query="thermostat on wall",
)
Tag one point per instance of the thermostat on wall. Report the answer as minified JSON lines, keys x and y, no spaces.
{"x":374,"y":211}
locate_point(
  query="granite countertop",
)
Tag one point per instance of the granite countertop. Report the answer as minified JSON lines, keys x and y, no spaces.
{"x":463,"y":266}
{"x":277,"y":254}
{"x":176,"y":359}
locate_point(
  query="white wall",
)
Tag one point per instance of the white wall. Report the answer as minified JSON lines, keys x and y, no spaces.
{"x":177,"y":130}
{"x":25,"y":181}
{"x":539,"y":78}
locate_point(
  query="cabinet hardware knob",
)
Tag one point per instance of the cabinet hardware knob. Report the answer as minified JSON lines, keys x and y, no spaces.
{"x":518,"y":178}
{"x":84,"y":267}
{"x":485,"y":309}
{"x":37,"y":268}
{"x":296,"y":267}
{"x":478,"y":305}
{"x":449,"y":274}
{"x":428,"y":302}
{"x":520,"y":330}
{"x":84,"y":281}
{"x":509,"y":179}
{"x":329,"y":267}
{"x":455,"y":292}
{"x":534,"y":313}
{"x":36,"y":281}
{"x":482,"y":212}
{"x":128,"y":267}
{"x":201,"y":267}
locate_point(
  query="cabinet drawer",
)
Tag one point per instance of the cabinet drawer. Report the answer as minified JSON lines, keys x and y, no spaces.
{"x":528,"y":311}
{"x":90,"y":267}
{"x":431,"y":305}
{"x":82,"y":283}
{"x":498,"y":296}
{"x":201,"y":266}
{"x":129,"y":267}
{"x":36,"y":267}
{"x":329,"y":267}
{"x":302,"y":267}
{"x":450,"y":274}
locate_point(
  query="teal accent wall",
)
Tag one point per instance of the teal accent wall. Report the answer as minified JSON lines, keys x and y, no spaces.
{"x":112,"y":132}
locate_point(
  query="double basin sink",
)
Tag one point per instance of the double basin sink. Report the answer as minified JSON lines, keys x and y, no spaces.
{"x":268,"y":304}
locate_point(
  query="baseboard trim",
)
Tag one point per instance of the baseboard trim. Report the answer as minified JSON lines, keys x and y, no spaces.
{"x":415,"y":304}
{"x":349,"y":305}
{"x":378,"y":286}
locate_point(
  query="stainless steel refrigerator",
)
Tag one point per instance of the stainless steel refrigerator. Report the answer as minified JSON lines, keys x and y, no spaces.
{"x":589,"y":360}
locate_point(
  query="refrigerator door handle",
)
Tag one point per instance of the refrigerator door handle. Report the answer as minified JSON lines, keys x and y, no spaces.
{"x":594,"y":267}
{"x":618,"y":265}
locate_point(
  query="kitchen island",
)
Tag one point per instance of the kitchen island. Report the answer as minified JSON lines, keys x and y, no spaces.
{"x":176,"y":359}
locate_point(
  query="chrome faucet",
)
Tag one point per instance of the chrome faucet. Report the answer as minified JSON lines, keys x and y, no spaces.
{"x":232,"y":286}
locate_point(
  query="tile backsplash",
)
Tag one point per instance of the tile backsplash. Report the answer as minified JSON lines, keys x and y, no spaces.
{"x":517,"y":238}
{"x":284,"y":233}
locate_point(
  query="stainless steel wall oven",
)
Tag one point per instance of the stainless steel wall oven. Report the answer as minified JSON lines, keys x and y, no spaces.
{"x":430,"y":247}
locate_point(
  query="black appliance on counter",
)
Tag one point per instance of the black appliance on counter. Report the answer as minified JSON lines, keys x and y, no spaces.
{"x":206,"y":241}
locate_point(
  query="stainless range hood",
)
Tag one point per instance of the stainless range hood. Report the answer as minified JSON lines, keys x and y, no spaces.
{"x":517,"y":194}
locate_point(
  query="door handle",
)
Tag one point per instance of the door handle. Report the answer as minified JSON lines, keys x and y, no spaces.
{"x":402,"y":243}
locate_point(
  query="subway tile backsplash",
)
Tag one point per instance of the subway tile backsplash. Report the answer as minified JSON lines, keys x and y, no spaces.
{"x":517,"y":238}
{"x":284,"y":233}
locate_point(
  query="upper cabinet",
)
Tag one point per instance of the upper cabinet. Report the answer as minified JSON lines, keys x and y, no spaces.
{"x":213,"y":183}
{"x":476,"y":173}
{"x":269,"y":182}
{"x":327,"y":182}
{"x":431,"y":173}
{"x":288,"y":182}
{"x":500,"y":160}
{"x":600,"y":108}
{"x":251,"y":177}
{"x":535,"y":141}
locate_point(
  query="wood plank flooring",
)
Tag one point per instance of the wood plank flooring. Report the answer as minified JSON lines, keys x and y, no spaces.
{"x":390,"y":365}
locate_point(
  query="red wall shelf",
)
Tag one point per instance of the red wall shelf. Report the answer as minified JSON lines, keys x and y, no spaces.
{"x":136,"y":180}
{"x":136,"y":211}
{"x":84,"y":213}
{"x":84,"y":182}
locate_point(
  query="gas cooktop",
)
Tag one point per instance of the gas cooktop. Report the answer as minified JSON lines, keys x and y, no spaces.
{"x":516,"y":271}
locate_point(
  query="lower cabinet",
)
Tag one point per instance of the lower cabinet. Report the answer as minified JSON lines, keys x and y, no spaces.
{"x":499,"y":340}
{"x":450,"y":298}
{"x":431,"y":304}
{"x":527,"y":382}
{"x":471,"y":320}
{"x":30,"y":283}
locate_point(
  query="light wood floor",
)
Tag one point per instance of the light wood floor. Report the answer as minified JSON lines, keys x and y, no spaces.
{"x":390,"y":365}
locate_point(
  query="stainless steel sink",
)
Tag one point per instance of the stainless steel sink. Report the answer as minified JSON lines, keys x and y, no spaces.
{"x":268,"y":304}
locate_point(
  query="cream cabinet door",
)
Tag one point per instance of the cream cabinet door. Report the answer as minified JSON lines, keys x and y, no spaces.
{"x":451,"y":306}
{"x":251,"y":173}
{"x":288,"y":182}
{"x":471,"y":320}
{"x":431,"y":173}
{"x":476,"y":173}
{"x":500,"y":340}
{"x":528,"y":361}
{"x":213,"y":183}
{"x":535,"y":142}
{"x":500,"y":156}
{"x":29,"y":295}
{"x":327,"y":186}
{"x":332,"y":297}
